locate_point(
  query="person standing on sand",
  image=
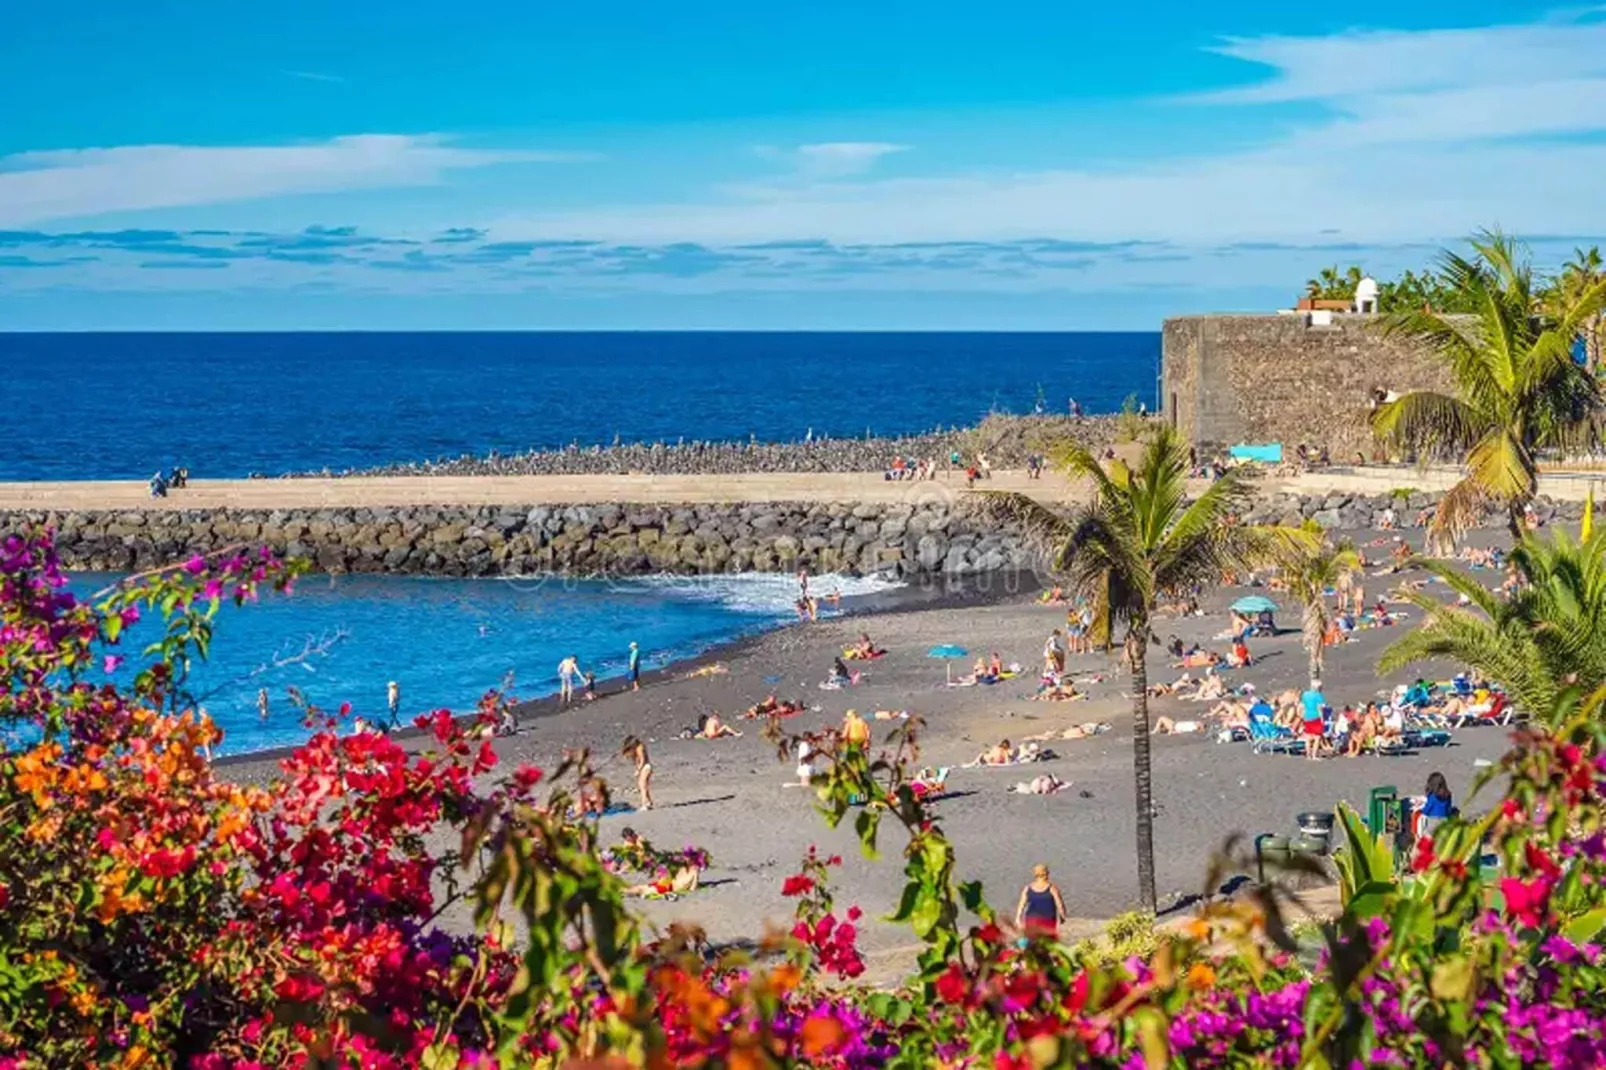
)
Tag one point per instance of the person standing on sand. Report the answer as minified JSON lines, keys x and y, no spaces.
{"x":1312,"y":727}
{"x":636,"y":750}
{"x":393,"y":702}
{"x":855,"y":729}
{"x":568,"y":673}
{"x":635,"y":667}
{"x":1054,"y":654}
{"x":803,"y":585}
{"x":1041,"y":910}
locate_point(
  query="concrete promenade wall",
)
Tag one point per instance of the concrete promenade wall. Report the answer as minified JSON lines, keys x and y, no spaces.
{"x":1274,"y":378}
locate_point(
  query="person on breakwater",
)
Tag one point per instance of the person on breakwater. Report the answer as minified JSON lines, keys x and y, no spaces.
{"x":568,"y":674}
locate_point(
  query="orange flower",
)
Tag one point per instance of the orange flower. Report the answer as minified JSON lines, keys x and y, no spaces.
{"x":1201,"y":975}
{"x":821,"y":1035}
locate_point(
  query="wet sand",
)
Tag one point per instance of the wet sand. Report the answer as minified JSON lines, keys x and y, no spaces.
{"x":734,"y":796}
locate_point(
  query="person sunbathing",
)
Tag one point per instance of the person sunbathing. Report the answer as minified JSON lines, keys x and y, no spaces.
{"x":1046,"y":784}
{"x":1233,"y":713}
{"x":1000,"y":753}
{"x":864,"y":649}
{"x":1165,"y":726}
{"x":1210,"y":688}
{"x":1239,"y":657}
{"x":682,"y":882}
{"x":1198,"y":659}
{"x":714,"y":728}
{"x":1063,"y":691}
{"x":1075,"y":731}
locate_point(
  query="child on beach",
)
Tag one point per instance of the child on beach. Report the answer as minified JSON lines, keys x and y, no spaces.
{"x":591,"y":686}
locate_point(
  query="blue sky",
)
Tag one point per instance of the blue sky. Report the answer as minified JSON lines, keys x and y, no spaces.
{"x":721,"y":165}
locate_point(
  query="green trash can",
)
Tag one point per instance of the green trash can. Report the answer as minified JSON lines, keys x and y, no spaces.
{"x":1382,"y":810}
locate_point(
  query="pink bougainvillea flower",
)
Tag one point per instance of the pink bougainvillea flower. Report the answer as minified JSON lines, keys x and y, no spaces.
{"x":1526,"y":901}
{"x":113,"y":662}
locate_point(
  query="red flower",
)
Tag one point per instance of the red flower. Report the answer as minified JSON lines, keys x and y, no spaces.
{"x":989,"y":934}
{"x":1423,"y":860}
{"x":797,"y":884}
{"x":953,"y":985}
{"x":1541,"y":861}
{"x":298,"y":988}
{"x":527,"y":777}
{"x":1526,"y":901}
{"x":5,"y":896}
{"x":1005,"y":1061}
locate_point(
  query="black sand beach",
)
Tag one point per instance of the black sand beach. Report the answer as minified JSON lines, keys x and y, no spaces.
{"x":736,"y":798}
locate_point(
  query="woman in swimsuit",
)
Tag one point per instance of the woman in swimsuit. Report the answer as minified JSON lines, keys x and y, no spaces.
{"x":636,"y":750}
{"x":1041,"y":910}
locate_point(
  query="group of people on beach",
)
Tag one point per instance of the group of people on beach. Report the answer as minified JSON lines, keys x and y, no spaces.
{"x":573,"y":681}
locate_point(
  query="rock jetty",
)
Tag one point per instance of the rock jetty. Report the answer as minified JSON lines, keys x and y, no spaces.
{"x":903,"y":538}
{"x":1006,"y":440}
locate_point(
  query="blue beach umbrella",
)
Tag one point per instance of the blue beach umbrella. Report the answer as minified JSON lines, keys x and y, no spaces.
{"x":947,"y":651}
{"x":1254,"y":603}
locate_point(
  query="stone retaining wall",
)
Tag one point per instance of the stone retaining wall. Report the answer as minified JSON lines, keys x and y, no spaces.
{"x":931,"y":537}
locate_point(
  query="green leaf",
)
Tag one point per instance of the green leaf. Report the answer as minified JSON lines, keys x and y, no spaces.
{"x":866,"y":824}
{"x":1371,"y":900}
{"x":1585,"y":927}
{"x":1452,"y":979}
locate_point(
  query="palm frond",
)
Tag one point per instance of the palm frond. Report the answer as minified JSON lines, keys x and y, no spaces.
{"x":1437,"y":425}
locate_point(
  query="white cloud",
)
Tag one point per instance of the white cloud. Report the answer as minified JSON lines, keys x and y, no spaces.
{"x":832,"y":159}
{"x":39,"y":186}
{"x":1367,"y":63}
{"x":1427,"y":135}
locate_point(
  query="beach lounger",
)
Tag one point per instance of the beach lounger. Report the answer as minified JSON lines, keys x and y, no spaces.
{"x":1498,"y":713}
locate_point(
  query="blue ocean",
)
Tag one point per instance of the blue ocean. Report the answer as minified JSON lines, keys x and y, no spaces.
{"x":122,"y":405}
{"x":228,"y":405}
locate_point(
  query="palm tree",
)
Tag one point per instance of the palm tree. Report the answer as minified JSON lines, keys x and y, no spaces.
{"x":1137,"y":539}
{"x":1518,"y":390}
{"x":1548,"y":638}
{"x":1584,"y":270}
{"x":1311,"y":568}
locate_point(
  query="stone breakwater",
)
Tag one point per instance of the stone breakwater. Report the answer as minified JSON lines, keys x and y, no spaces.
{"x":1358,"y":512}
{"x":906,"y":539}
{"x":1006,"y":440}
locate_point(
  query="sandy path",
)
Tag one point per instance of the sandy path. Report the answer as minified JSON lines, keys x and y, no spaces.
{"x":353,"y":491}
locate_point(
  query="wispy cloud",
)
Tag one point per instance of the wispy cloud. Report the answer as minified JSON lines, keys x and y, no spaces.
{"x":1405,"y":136}
{"x":312,"y":76}
{"x":39,"y":186}
{"x":832,"y":159}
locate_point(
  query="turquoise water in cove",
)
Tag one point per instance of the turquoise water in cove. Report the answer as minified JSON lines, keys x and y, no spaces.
{"x":448,"y":641}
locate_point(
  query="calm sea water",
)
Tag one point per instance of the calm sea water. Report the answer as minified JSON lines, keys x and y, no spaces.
{"x":122,"y":405}
{"x":446,"y":642}
{"x":87,"y":406}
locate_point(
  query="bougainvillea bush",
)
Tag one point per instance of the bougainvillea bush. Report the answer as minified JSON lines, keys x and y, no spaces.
{"x":385,"y":906}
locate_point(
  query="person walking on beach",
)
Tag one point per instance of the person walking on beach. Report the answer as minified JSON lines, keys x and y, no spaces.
{"x":568,"y":675}
{"x":635,"y":667}
{"x":1312,"y":702}
{"x":636,"y":750}
{"x":393,"y":702}
{"x":1041,"y":910}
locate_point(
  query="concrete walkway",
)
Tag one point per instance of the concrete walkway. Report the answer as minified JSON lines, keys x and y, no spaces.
{"x":357,"y":491}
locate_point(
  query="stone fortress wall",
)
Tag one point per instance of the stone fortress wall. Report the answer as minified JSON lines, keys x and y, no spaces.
{"x":1262,"y":379}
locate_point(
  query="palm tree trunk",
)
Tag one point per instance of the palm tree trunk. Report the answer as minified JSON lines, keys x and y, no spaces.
{"x":1137,"y":642}
{"x":1515,"y":521}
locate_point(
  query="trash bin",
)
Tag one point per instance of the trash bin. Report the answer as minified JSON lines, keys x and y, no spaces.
{"x":1380,"y":803}
{"x":1316,"y":831}
{"x":1269,"y":847}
